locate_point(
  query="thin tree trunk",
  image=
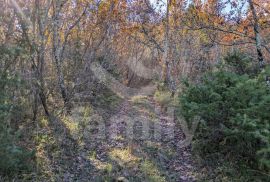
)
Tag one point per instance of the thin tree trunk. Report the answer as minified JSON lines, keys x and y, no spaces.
{"x":41,"y":59}
{"x":167,"y":69}
{"x":257,"y":35}
{"x":39,"y":90}
{"x":166,"y":47}
{"x":57,"y":52}
{"x":44,"y":101}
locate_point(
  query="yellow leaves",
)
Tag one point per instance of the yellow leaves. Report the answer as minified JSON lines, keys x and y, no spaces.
{"x":172,"y":3}
{"x":203,"y":16}
{"x":123,"y":156}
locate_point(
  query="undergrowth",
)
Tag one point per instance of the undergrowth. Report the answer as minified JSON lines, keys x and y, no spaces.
{"x":233,"y":139}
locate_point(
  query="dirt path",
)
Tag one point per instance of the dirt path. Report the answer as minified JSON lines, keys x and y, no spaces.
{"x":148,"y":152}
{"x":153,"y":157}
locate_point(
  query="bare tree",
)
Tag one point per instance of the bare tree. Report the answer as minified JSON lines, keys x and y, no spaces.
{"x":59,"y":46}
{"x":36,"y":40}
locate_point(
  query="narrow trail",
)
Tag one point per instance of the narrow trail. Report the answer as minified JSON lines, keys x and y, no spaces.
{"x":149,"y":153}
{"x":159,"y":146}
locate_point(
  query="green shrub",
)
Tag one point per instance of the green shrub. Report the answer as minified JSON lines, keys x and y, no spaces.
{"x":240,"y":63}
{"x":235,"y":113}
{"x":12,"y":157}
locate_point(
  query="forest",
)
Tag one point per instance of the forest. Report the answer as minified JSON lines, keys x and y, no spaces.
{"x":135,"y":90}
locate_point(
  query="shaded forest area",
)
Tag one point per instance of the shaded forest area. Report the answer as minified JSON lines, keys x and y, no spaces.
{"x":135,"y":90}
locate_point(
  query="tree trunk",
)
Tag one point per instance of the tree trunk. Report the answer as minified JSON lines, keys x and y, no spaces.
{"x":57,"y":52}
{"x":257,"y":35}
{"x":44,"y":101}
{"x":41,"y":79}
{"x":166,"y":67}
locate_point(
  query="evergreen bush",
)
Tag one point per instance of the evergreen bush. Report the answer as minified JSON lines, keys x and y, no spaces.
{"x":235,"y":112}
{"x":13,"y":158}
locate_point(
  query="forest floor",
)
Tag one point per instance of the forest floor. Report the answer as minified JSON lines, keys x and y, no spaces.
{"x":94,"y":145}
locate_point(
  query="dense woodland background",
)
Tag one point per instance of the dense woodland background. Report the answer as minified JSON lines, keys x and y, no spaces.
{"x":211,"y":61}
